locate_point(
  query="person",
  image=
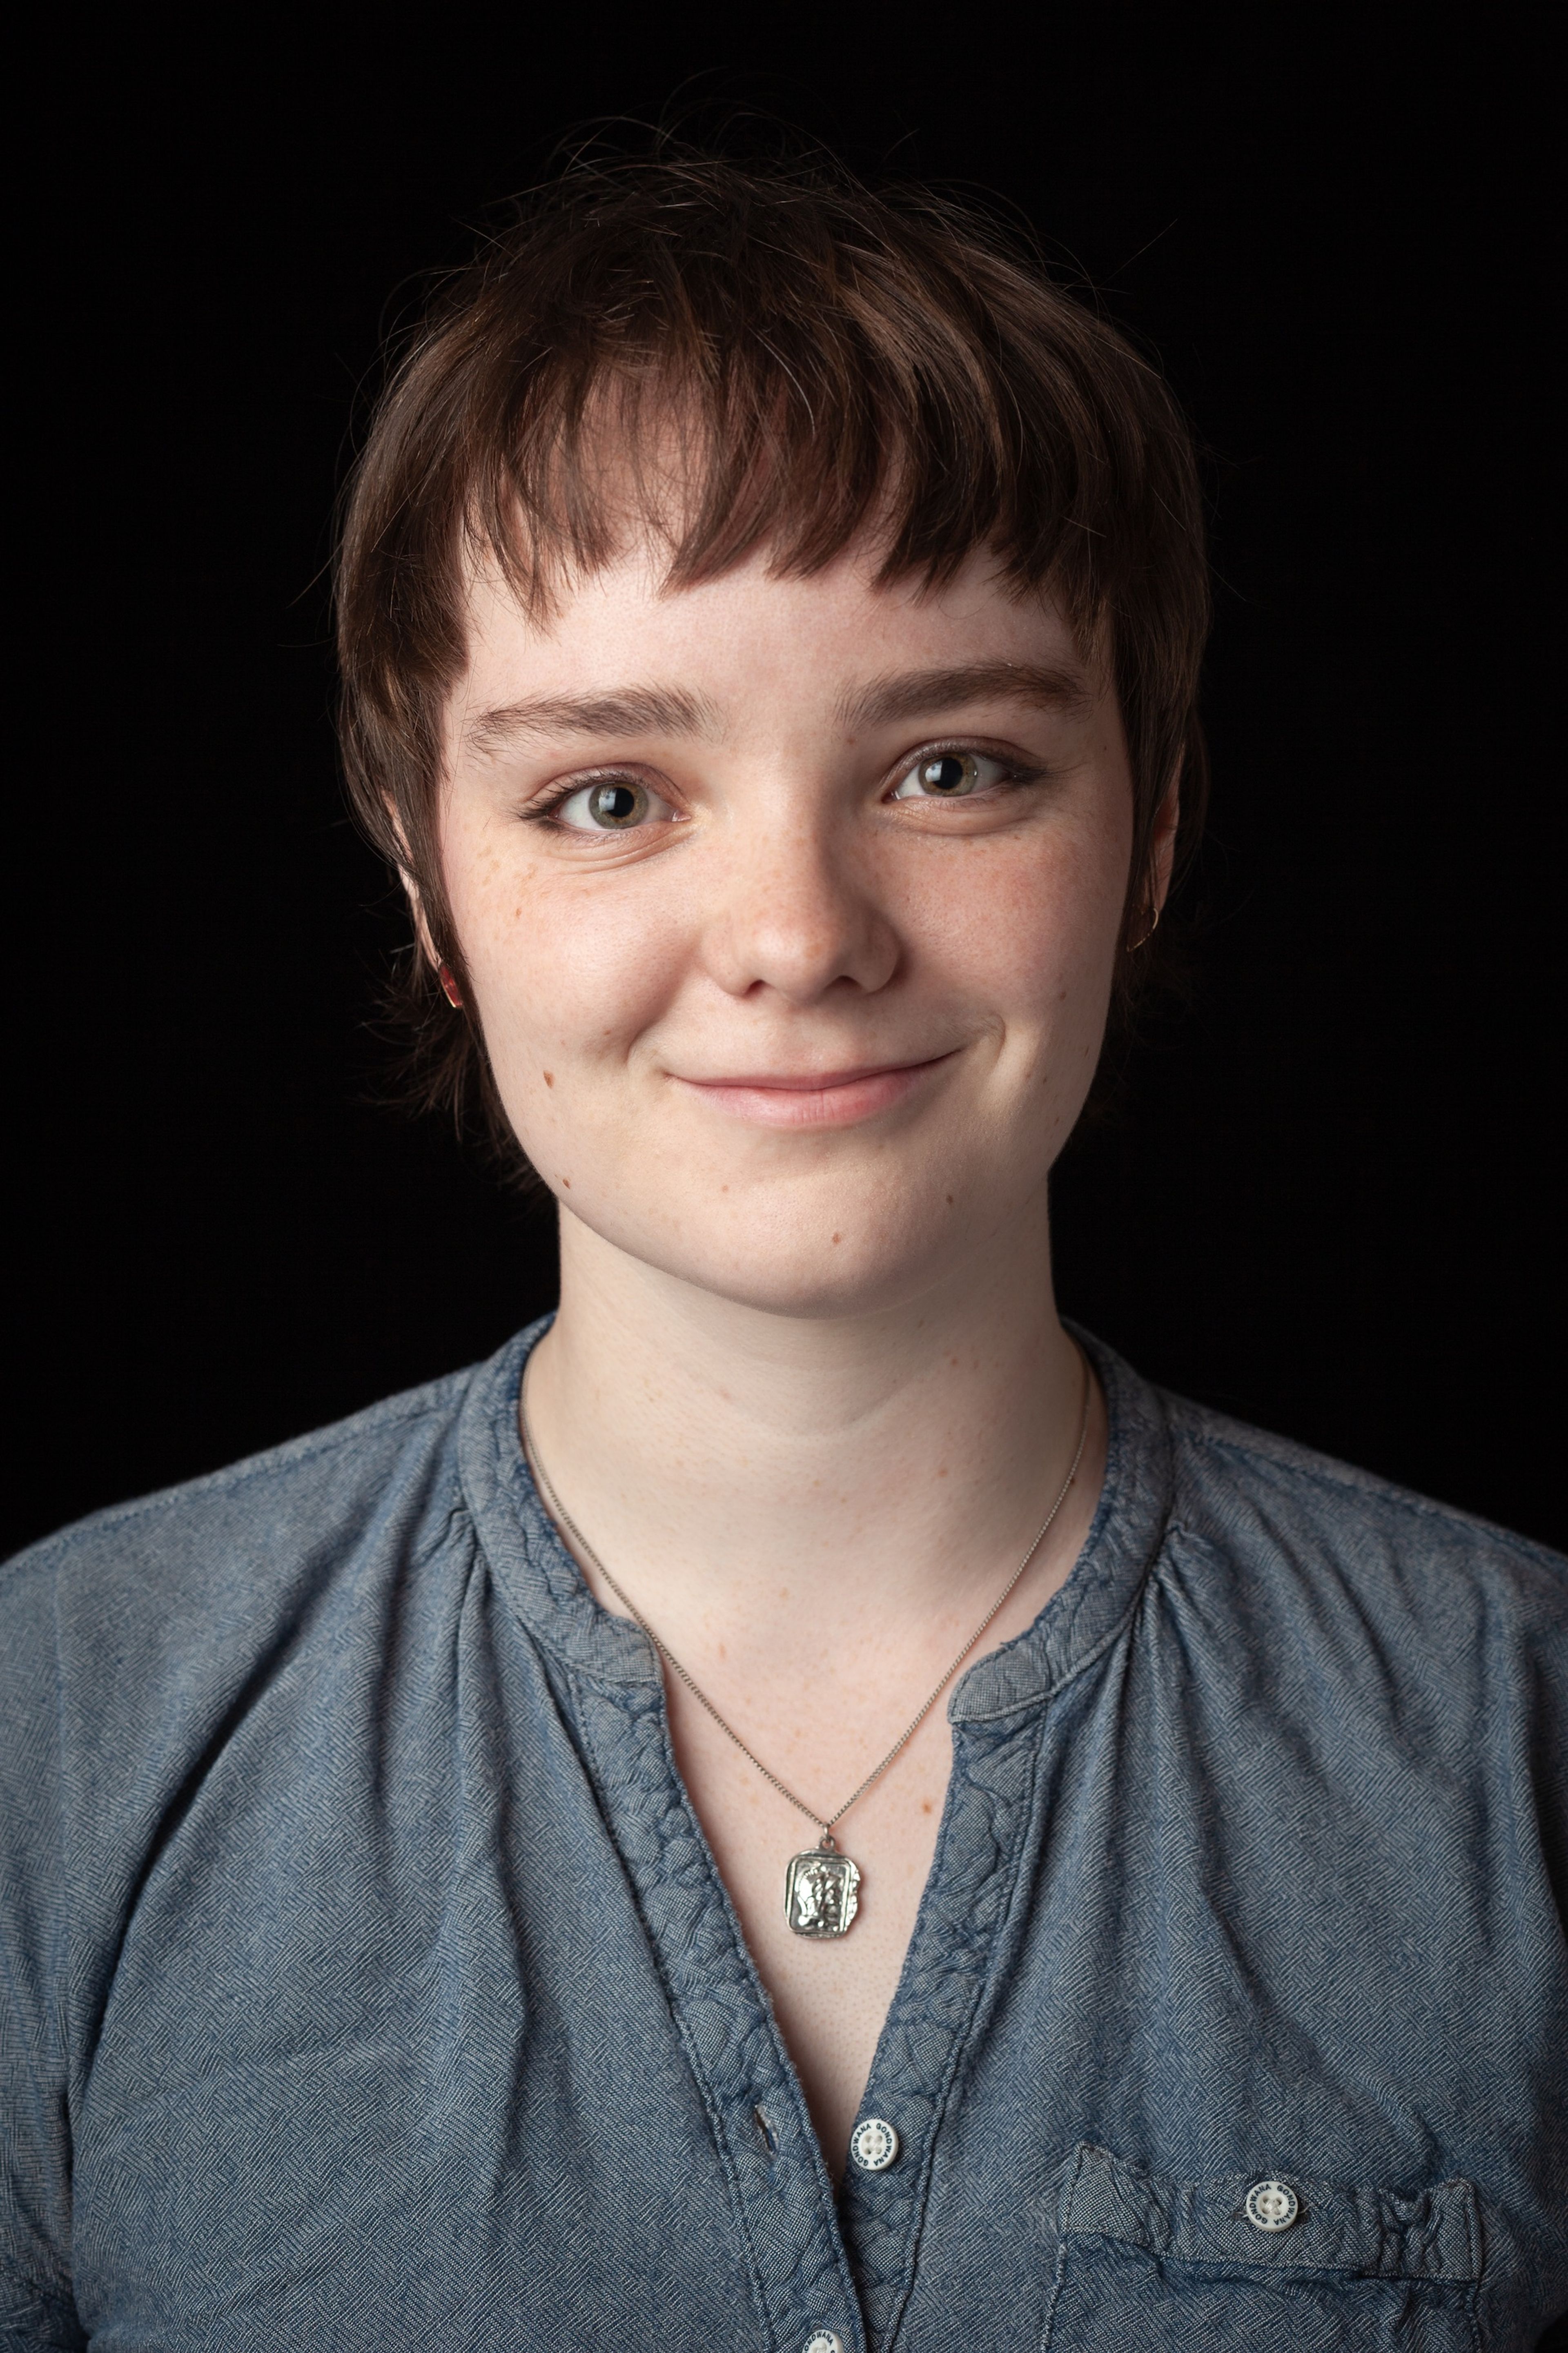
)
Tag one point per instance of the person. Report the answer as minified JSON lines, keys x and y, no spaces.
{"x":804,"y":1804}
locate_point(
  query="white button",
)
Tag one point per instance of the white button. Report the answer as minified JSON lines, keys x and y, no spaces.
{"x":823,"y":2340}
{"x":1271,"y":2206}
{"x":873,"y":2145}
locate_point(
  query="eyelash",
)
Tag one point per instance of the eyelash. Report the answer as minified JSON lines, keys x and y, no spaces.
{"x":1014,"y":774}
{"x":543,"y":811}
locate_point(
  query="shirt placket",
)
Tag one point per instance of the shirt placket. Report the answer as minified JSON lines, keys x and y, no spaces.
{"x":801,"y":2277}
{"x":957,"y":1956}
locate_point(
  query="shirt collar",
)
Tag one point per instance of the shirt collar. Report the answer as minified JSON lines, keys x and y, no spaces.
{"x":531,"y":1565}
{"x":543,"y":1584}
{"x":1089,"y":1610}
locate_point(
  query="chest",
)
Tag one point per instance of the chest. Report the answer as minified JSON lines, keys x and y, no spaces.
{"x":477,"y":2046}
{"x":830,"y":1993}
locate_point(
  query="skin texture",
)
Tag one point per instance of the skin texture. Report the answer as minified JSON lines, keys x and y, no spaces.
{"x":796,"y":1052}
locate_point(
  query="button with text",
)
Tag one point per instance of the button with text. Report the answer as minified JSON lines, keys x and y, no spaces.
{"x":873,"y":2144}
{"x":1271,"y":2206}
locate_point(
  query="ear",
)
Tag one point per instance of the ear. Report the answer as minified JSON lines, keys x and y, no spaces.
{"x":412,"y":892}
{"x":426,"y":946}
{"x":1163,"y":844}
{"x":1148,"y":891}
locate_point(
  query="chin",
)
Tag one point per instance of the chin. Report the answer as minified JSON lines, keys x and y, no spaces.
{"x":805,"y":1288}
{"x":814,"y":1259}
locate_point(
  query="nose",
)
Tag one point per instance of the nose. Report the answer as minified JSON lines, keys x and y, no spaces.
{"x":792,"y":916}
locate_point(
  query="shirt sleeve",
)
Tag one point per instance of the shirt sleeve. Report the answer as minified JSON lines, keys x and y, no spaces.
{"x":36,"y":2306}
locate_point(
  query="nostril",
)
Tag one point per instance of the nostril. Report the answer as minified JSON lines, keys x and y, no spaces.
{"x":801,"y":961}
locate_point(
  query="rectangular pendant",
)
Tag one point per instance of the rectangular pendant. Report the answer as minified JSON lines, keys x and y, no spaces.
{"x":822,"y":1893}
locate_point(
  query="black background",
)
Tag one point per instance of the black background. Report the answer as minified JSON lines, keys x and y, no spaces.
{"x":1330,"y":1199}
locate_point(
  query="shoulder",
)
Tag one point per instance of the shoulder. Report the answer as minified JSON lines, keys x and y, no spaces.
{"x":137,"y":1629}
{"x":251,"y":1521}
{"x":140,"y":1645}
{"x":1235,"y":1480}
{"x":1322,"y":1558}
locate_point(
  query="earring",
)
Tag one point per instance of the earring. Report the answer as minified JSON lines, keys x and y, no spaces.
{"x":450,"y":990}
{"x":1135,"y":945}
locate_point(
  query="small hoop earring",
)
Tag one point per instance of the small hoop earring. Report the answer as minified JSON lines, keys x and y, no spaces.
{"x":1147,"y":936}
{"x":449,"y":988}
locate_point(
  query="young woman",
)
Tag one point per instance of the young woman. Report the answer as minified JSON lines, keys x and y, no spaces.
{"x":804,"y":1805}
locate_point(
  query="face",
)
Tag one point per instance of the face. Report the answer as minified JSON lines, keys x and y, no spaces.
{"x":789,"y":910}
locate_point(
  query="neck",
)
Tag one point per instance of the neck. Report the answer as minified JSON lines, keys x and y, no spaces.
{"x":732,"y":1465}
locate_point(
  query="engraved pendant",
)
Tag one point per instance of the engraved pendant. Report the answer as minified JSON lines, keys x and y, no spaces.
{"x":822,"y":1891}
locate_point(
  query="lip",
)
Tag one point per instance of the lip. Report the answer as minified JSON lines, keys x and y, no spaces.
{"x":816,"y":1099}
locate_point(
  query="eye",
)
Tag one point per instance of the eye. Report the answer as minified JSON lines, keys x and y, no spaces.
{"x":949,"y":776}
{"x":612,"y":805}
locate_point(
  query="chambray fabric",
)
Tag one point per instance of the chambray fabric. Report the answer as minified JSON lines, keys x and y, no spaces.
{"x":369,"y":1984}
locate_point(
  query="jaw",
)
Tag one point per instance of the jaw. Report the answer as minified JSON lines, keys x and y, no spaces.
{"x":849,"y":1239}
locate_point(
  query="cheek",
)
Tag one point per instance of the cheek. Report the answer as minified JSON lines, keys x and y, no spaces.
{"x":562,"y":972}
{"x":1029,"y":926}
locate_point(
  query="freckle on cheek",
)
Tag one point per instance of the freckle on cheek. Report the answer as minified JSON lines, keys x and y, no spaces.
{"x":566,"y":1183}
{"x":838,"y":1238}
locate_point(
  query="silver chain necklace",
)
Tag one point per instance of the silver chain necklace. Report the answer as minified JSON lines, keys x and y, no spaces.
{"x":822,"y":1887}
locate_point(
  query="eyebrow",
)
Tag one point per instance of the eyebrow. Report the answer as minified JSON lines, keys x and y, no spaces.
{"x":628,"y":711}
{"x":672,"y":710}
{"x":910,"y":694}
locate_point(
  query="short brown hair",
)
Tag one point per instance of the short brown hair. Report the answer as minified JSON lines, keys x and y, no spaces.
{"x":840,"y":365}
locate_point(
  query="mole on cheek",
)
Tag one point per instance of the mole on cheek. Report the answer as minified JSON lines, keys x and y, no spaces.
{"x":549,"y":1078}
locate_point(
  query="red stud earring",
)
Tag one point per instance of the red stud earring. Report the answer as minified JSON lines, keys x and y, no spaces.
{"x":449,"y":988}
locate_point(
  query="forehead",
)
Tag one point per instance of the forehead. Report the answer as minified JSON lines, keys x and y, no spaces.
{"x":755,"y":640}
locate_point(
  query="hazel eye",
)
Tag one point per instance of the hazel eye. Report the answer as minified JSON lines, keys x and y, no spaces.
{"x":947,"y":776}
{"x":613,"y":805}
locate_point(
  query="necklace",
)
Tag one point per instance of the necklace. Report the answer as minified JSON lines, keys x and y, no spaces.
{"x":821,"y":1886}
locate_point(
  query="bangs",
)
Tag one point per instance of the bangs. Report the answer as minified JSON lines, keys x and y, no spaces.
{"x":774,"y":387}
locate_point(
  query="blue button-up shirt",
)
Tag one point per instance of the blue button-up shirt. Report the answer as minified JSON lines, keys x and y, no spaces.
{"x":369,"y":1983}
